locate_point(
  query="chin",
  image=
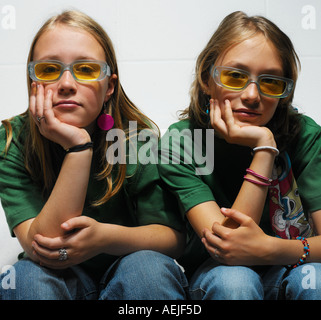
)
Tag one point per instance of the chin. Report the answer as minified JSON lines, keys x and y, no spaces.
{"x":245,"y":124}
{"x":73,"y":122}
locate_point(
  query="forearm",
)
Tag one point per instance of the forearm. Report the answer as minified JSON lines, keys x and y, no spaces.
{"x":251,"y":197}
{"x":123,"y":240}
{"x":283,"y":251}
{"x":288,"y":252}
{"x":67,"y":197}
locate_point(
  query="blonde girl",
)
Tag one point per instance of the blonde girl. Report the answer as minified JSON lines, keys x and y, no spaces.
{"x":90,"y":228}
{"x":255,"y":221}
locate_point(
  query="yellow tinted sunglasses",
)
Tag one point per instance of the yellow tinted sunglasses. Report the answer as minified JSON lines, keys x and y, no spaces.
{"x":81,"y":70}
{"x":237,"y":80}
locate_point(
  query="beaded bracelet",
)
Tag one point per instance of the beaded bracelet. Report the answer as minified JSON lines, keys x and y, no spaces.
{"x":80,"y":147}
{"x":306,"y":249}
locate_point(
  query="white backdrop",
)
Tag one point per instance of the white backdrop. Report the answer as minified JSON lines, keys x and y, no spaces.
{"x":156,"y":42}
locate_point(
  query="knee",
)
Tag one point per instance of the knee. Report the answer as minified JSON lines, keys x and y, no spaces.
{"x":232,"y":283}
{"x":145,"y":265}
{"x":146,"y":275}
{"x":20,"y":281}
{"x":27,"y":280}
{"x":304,"y":282}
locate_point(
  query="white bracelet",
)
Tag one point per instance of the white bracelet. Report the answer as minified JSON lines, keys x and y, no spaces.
{"x":267,"y":147}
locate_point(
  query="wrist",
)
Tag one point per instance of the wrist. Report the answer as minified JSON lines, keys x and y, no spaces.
{"x":269,"y":250}
{"x":81,"y":138}
{"x":268,"y":149}
{"x":267,"y":141}
{"x":80,"y":147}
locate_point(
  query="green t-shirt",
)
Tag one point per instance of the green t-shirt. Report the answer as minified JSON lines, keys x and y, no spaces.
{"x":142,"y":199}
{"x":229,"y":163}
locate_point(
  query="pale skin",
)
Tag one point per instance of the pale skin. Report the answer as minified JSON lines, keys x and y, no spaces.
{"x":232,"y":235}
{"x":60,"y":223}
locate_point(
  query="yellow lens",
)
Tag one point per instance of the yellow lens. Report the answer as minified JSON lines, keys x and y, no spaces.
{"x":273,"y":87}
{"x":86,"y":70}
{"x":47,"y":71}
{"x":234,"y":79}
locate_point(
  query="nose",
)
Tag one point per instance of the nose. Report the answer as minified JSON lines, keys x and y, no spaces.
{"x":251,"y":94}
{"x":67,"y":83}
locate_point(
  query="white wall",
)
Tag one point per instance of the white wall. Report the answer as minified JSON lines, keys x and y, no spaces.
{"x":156,"y":42}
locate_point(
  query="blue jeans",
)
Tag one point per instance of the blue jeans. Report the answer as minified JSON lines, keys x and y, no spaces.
{"x":213,"y":281}
{"x":143,"y":275}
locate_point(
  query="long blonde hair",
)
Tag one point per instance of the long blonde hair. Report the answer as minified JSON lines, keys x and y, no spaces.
{"x":235,"y":28}
{"x":39,"y":151}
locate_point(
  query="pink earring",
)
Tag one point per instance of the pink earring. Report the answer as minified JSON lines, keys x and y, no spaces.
{"x":105,"y":122}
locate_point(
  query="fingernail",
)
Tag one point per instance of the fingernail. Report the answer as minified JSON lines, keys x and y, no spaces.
{"x":65,"y":225}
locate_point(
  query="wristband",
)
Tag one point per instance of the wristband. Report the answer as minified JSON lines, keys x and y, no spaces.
{"x":266,"y":184}
{"x":253,"y":173}
{"x":267,"y":148}
{"x":80,"y":147}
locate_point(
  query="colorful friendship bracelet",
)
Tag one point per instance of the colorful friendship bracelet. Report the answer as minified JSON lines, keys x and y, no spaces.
{"x":306,"y":249}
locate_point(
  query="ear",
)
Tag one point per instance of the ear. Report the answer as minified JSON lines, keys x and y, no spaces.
{"x":111,"y":86}
{"x":206,"y":89}
{"x":205,"y":84}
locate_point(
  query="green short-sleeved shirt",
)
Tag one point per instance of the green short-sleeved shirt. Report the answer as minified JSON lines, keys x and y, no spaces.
{"x":141,"y":201}
{"x":223,"y":183}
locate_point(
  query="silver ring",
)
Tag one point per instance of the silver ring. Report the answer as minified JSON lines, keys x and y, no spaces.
{"x":215,"y":254}
{"x":62,"y":254}
{"x":39,"y":118}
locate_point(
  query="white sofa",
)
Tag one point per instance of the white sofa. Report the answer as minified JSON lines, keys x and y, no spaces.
{"x":9,"y":246}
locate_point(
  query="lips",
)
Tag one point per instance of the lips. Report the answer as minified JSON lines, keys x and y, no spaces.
{"x":67,"y":104}
{"x":247,"y":112}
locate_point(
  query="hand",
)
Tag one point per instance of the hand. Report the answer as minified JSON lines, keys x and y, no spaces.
{"x":223,"y":122}
{"x":41,"y":109}
{"x":81,"y":241}
{"x":245,"y":245}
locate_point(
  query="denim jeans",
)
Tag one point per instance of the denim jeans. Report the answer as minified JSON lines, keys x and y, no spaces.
{"x":213,"y":281}
{"x":143,"y":275}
